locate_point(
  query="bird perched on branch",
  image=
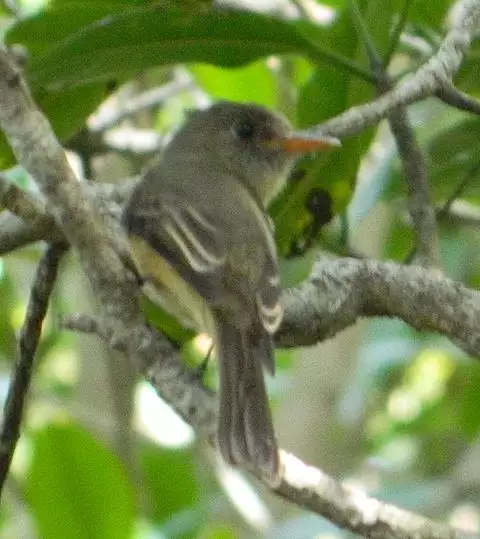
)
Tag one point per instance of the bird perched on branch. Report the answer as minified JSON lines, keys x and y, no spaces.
{"x":200,"y":235}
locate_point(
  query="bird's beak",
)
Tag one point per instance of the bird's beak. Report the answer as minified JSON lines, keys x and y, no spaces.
{"x":304,"y":142}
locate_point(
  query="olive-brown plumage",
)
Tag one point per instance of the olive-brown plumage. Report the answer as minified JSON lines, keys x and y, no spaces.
{"x":200,"y":236}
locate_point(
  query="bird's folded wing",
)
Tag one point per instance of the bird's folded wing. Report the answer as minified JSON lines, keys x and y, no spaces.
{"x":192,"y":244}
{"x":187,"y":240}
{"x":270,"y":309}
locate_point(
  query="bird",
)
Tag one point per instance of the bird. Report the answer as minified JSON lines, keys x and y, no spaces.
{"x":199,"y":233}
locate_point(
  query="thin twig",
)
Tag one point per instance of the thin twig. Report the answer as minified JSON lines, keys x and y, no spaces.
{"x":27,"y":347}
{"x":26,"y":206}
{"x":322,"y":55}
{"x":457,"y":192}
{"x":14,"y":233}
{"x":111,"y":114}
{"x":441,"y":67}
{"x":81,"y":323}
{"x":367,"y":41}
{"x":456,"y":98}
{"x":397,"y":32}
{"x":420,"y":199}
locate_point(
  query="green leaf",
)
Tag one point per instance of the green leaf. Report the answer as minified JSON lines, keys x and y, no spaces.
{"x":45,"y":29}
{"x":7,"y":158}
{"x":170,"y":480}
{"x":8,"y":341}
{"x":295,"y":270}
{"x":143,"y":38}
{"x":453,"y":153}
{"x":468,"y":76}
{"x":329,"y":92}
{"x":67,"y":110}
{"x":113,"y":5}
{"x":430,"y":13}
{"x":452,"y":150}
{"x":332,"y":3}
{"x":252,"y":83}
{"x":165,"y":322}
{"x":76,"y":488}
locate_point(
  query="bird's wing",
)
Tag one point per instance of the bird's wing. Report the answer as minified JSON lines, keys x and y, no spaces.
{"x":262,"y":277}
{"x":267,"y":298}
{"x":185,"y":238}
{"x":194,"y":244}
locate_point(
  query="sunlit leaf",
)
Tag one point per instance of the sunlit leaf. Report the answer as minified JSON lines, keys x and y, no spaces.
{"x":252,"y":83}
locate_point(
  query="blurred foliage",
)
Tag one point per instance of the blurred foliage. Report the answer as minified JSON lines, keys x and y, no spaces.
{"x":409,"y":399}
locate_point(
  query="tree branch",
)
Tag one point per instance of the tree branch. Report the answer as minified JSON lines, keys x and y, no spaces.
{"x":40,"y":153}
{"x":420,"y":199}
{"x":455,"y":98}
{"x":19,"y":202}
{"x":308,"y":486}
{"x":351,"y":508}
{"x":32,"y":222}
{"x":114,"y":111}
{"x":339,"y":292}
{"x":27,"y":347}
{"x":425,"y":82}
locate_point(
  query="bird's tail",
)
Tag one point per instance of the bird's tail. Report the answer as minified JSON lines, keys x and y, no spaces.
{"x":245,"y":430}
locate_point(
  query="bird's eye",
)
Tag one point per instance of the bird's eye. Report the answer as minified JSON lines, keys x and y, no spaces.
{"x":244,"y":130}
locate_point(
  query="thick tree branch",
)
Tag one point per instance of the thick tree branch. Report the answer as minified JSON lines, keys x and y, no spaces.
{"x":309,"y":487}
{"x":40,"y":153}
{"x":27,"y":347}
{"x":339,"y":292}
{"x":32,"y":222}
{"x":352,"y":509}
